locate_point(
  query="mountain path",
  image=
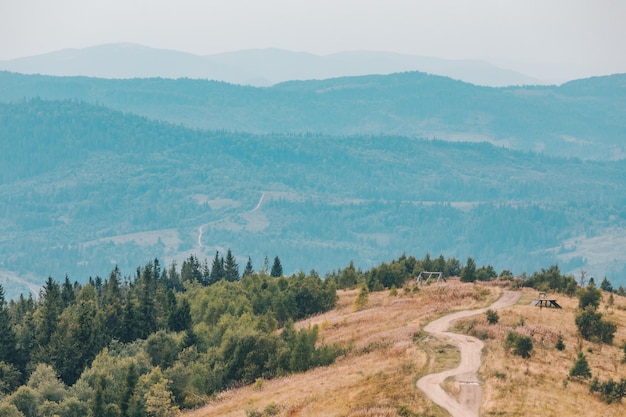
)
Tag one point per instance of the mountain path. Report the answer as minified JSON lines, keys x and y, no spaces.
{"x":466,"y":373}
{"x":203,"y":226}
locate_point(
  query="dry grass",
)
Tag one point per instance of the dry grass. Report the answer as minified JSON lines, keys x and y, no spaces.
{"x":539,"y":386}
{"x":387,"y":354}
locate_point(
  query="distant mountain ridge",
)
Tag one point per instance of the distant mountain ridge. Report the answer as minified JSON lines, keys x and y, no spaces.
{"x":258,"y":67}
{"x":583,"y":118}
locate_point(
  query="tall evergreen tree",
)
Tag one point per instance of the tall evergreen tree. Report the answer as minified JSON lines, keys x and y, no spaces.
{"x":49,"y":312}
{"x":277,"y":268}
{"x":67,"y":292}
{"x":8,"y":340}
{"x":217,"y":269}
{"x":231,"y":269}
{"x":468,"y":273}
{"x":248,"y":270}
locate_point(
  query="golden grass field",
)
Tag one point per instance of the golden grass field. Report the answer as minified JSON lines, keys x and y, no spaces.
{"x":388,"y":353}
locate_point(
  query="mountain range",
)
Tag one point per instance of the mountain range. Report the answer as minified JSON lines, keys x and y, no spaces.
{"x":582,"y":118}
{"x":87,"y":186}
{"x":257,"y":67}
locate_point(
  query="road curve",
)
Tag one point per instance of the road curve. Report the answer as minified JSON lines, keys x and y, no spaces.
{"x":466,"y":373}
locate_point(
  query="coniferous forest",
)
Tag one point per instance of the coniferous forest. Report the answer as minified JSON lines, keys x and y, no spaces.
{"x":164,"y":337}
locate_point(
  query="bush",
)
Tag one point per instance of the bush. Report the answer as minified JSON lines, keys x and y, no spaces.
{"x":560,"y":345}
{"x":492,"y":316}
{"x":521,"y":345}
{"x":580,"y":369}
{"x":593,"y":328}
{"x":609,"y":391}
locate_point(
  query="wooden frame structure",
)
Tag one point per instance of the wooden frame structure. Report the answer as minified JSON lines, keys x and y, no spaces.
{"x":426,"y":275}
{"x":544,"y":301}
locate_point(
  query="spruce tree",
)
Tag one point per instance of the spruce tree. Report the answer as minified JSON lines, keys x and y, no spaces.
{"x":217,"y":268}
{"x":8,"y":340}
{"x":248,"y":269}
{"x":231,"y":269}
{"x":580,"y":369}
{"x":277,"y":268}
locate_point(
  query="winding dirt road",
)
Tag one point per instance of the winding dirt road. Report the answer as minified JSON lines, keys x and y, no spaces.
{"x":466,"y":373}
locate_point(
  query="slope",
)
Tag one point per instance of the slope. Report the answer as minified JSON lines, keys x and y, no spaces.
{"x":566,"y":121}
{"x":134,"y":189}
{"x":390,"y":351}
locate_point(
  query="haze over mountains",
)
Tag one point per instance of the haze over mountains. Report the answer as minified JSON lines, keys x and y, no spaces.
{"x":259,"y":67}
{"x":97,"y":172}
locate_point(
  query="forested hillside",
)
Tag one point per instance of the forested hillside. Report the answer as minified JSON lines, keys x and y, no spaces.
{"x":163,"y":339}
{"x":132,"y":189}
{"x":583,"y":118}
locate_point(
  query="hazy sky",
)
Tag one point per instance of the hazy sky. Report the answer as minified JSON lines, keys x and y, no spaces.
{"x":562,"y":35}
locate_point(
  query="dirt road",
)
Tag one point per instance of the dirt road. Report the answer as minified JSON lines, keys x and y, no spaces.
{"x":470,"y":347}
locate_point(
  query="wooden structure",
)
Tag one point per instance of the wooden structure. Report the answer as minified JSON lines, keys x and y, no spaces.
{"x":544,"y":301}
{"x":426,"y":275}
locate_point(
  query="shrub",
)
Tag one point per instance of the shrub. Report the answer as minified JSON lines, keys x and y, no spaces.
{"x":362,"y":299}
{"x":593,"y":328}
{"x":521,"y":345}
{"x":560,"y":345}
{"x":580,"y":369}
{"x":492,"y":316}
{"x":609,"y":391}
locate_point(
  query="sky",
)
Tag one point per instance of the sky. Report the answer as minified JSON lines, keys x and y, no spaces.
{"x":581,"y":37}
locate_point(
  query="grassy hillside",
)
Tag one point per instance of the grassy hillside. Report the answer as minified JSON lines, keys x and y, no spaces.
{"x":389,"y":353}
{"x":583,"y":119}
{"x":134,"y":189}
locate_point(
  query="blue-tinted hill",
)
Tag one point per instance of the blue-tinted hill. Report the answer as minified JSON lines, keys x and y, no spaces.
{"x":84,"y":187}
{"x":582,"y":119}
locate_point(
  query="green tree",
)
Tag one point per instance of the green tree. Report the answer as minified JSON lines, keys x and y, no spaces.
{"x":606,"y":285}
{"x":277,"y":268}
{"x":231,"y":269}
{"x":8,"y":339}
{"x":25,"y":399}
{"x":592,"y":327}
{"x":217,"y":269}
{"x":248,"y":270}
{"x":362,"y":298}
{"x":580,"y":369}
{"x":468,"y":273}
{"x":47,"y":316}
{"x":45,"y":382}
{"x":159,"y":401}
{"x":10,"y":378}
{"x":589,"y":296}
{"x":132,"y":376}
{"x":180,"y":319}
{"x":9,"y":410}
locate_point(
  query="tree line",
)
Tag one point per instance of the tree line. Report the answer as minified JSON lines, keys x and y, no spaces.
{"x":164,"y":338}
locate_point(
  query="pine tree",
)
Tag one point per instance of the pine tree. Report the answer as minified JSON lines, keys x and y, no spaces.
{"x":8,"y":339}
{"x":217,"y":269}
{"x":277,"y":268}
{"x":468,"y":273}
{"x":231,"y":269}
{"x":248,"y":269}
{"x":362,"y":299}
{"x":50,"y":307}
{"x":132,"y":376}
{"x":67,"y":292}
{"x":580,"y":369}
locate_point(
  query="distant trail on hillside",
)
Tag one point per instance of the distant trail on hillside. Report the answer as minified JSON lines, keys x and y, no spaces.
{"x":471,"y":391}
{"x":202,"y":227}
